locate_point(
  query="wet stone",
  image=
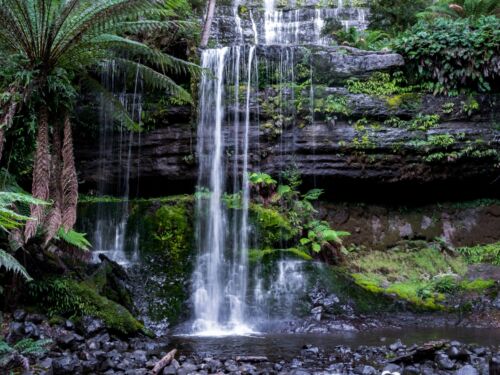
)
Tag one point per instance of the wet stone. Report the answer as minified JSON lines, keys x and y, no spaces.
{"x":444,"y":363}
{"x":19,"y":315}
{"x":467,"y":370}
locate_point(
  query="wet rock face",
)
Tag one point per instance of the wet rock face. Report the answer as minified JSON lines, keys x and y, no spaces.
{"x":165,"y":161}
{"x":382,"y":227}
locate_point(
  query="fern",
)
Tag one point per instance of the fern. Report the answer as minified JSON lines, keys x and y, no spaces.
{"x":32,"y":347}
{"x":11,"y":264}
{"x":74,"y":238}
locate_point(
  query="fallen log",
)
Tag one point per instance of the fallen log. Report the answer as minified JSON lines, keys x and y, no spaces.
{"x":164,"y":362}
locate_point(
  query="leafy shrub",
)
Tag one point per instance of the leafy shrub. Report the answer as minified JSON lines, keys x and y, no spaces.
{"x":482,"y":253}
{"x":454,"y":55}
{"x":395,"y":15}
{"x":380,"y":84}
{"x":462,"y":9}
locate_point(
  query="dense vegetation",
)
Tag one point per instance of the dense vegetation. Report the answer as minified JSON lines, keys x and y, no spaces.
{"x":52,"y":54}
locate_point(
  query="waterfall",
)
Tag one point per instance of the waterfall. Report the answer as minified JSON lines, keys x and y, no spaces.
{"x":227,"y":300}
{"x":221,"y":271}
{"x":109,"y":234}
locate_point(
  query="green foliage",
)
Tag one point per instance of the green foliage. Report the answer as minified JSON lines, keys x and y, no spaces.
{"x":67,"y":297}
{"x":447,"y":108}
{"x":420,"y":122}
{"x":320,"y":234}
{"x":260,"y":178}
{"x":462,"y":9}
{"x":48,"y":67}
{"x":453,"y":55}
{"x":332,"y":105}
{"x":489,"y":253}
{"x":10,"y":219}
{"x":469,"y":106}
{"x":171,"y":229}
{"x":73,"y":238}
{"x":272,"y":226}
{"x":258,"y":255}
{"x":395,"y":15}
{"x":420,"y":276}
{"x":167,"y":242}
{"x":362,"y":39}
{"x":380,"y":84}
{"x":11,"y":264}
{"x":22,"y":349}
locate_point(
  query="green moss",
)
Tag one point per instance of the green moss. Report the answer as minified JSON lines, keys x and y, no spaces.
{"x":167,"y":242}
{"x":70,"y":298}
{"x":272,"y":226}
{"x":370,"y":283}
{"x":409,"y":274}
{"x":260,"y":255}
{"x":116,"y":317}
{"x":477,"y":285}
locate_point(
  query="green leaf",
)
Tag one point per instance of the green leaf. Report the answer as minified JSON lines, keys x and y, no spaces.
{"x":304,"y":241}
{"x":316,"y":247}
{"x":74,"y":238}
{"x":11,"y":264}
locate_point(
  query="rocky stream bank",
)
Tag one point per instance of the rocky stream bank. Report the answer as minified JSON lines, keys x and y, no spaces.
{"x":88,"y":348}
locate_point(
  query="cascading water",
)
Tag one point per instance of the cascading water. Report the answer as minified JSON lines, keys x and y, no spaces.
{"x":226,"y":299}
{"x":109,"y":235}
{"x":220,"y":277}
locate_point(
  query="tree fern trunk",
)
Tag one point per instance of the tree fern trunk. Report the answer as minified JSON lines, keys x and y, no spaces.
{"x":41,"y":172}
{"x":208,"y":23}
{"x":69,"y":179}
{"x":54,"y":219}
{"x":8,"y":112}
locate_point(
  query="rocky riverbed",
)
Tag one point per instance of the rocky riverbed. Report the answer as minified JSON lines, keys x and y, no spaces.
{"x":88,"y":348}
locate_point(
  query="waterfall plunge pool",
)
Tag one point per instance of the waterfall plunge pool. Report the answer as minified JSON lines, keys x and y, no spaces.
{"x":287,"y":346}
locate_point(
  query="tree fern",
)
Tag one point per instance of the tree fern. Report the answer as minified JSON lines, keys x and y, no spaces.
{"x":55,"y":43}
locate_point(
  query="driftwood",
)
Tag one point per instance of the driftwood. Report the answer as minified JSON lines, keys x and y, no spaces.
{"x":250,"y":358}
{"x":422,"y":353}
{"x":165,"y":361}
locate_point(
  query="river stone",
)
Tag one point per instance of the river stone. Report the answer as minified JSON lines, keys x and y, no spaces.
{"x":411,"y":370}
{"x":396,"y":346}
{"x":19,"y":315}
{"x":392,"y":367}
{"x":91,"y":326}
{"x":35,"y":318}
{"x":467,"y":370}
{"x":444,"y":363}
{"x":365,"y":370}
{"x":66,"y":364}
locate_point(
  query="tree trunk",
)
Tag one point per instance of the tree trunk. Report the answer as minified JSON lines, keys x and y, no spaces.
{"x":41,"y":173}
{"x":8,"y":113}
{"x":208,"y":23}
{"x":54,"y":218}
{"x":69,"y":179}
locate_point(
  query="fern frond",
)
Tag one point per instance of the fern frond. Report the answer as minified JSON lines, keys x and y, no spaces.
{"x":11,"y":264}
{"x":74,"y":238}
{"x":154,"y":79}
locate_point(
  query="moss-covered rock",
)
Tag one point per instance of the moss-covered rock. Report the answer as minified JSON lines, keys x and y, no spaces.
{"x":273,"y":228}
{"x":166,"y":243}
{"x":70,"y":298}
